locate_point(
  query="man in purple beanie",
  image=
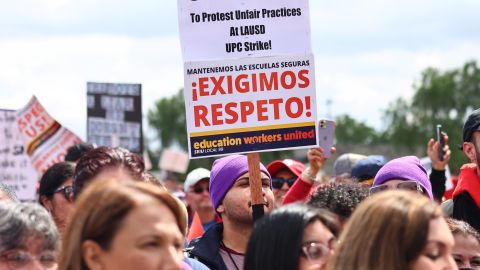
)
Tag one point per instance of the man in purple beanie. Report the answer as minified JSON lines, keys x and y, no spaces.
{"x":403,"y":173}
{"x":224,"y":245}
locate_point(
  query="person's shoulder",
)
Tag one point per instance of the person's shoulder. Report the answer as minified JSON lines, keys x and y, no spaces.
{"x":213,"y":234}
{"x":195,"y":265}
{"x":193,"y":243}
{"x":205,"y":250}
{"x":464,"y":197}
{"x":465,"y":208}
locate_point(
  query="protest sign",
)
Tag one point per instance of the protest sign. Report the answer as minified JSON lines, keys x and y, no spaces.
{"x":174,"y":161}
{"x":114,"y":115}
{"x":44,"y":139}
{"x":236,"y":29}
{"x":249,"y":83}
{"x":250,"y":104}
{"x":16,"y":171}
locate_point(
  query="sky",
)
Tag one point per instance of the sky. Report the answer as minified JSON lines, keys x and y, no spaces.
{"x":367,"y":53}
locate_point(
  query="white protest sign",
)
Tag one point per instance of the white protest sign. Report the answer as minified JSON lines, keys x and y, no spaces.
{"x":16,"y":170}
{"x":212,"y":29}
{"x":45,"y":140}
{"x":249,"y":76}
{"x":250,"y":104}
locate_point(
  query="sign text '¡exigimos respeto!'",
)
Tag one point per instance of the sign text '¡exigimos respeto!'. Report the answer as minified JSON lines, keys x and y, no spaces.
{"x":245,"y":14}
{"x":235,"y":112}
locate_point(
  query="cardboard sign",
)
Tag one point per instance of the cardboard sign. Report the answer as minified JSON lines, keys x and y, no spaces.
{"x":212,"y":29}
{"x":174,"y":161}
{"x":114,"y":115}
{"x":44,"y":139}
{"x":249,"y":105}
{"x":16,"y":171}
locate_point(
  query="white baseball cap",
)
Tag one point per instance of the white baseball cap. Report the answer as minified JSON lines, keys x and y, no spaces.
{"x":194,"y":177}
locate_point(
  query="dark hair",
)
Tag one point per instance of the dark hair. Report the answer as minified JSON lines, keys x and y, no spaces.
{"x":95,"y":161}
{"x":20,"y":221}
{"x":75,"y":152}
{"x":340,"y":199}
{"x":277,"y":238}
{"x":149,"y":177}
{"x":54,"y":177}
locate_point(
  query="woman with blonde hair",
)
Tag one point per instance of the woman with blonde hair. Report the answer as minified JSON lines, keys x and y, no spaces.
{"x":125,"y":226}
{"x":395,"y":230}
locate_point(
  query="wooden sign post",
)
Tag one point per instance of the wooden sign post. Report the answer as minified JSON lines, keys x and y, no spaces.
{"x":255,"y":185}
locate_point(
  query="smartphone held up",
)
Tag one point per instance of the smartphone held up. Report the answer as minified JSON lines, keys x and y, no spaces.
{"x":326,"y":136}
{"x":441,"y":141}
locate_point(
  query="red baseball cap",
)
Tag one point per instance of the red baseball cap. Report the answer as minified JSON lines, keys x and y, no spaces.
{"x":294,"y":166}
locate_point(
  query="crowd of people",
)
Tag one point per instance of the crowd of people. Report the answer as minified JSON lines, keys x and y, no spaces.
{"x":100,"y":209}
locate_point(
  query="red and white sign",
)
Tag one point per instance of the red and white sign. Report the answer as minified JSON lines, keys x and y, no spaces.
{"x":45,"y":140}
{"x":250,"y":104}
{"x":249,"y":76}
{"x":249,"y":92}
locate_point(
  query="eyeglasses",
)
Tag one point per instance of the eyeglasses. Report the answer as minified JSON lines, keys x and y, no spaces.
{"x":19,"y":259}
{"x":405,"y":185}
{"x":315,"y":251}
{"x":278,"y":182}
{"x":200,"y":190}
{"x":66,"y":190}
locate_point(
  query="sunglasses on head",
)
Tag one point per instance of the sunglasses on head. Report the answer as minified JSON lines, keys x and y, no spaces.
{"x":278,"y":182}
{"x":405,"y":185}
{"x":315,"y":251}
{"x":200,"y":190}
{"x":66,"y":190}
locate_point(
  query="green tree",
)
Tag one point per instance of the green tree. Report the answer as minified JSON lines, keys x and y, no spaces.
{"x":444,"y":98}
{"x":350,"y":131}
{"x":167,"y":118}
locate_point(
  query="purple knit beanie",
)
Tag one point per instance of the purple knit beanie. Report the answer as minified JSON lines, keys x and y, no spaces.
{"x":224,"y":173}
{"x":404,"y":168}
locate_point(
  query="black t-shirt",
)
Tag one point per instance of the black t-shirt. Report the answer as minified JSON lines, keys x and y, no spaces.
{"x":465,"y":208}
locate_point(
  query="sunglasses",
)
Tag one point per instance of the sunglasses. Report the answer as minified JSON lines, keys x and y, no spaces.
{"x":66,"y":190}
{"x":405,"y":185}
{"x":278,"y":182}
{"x":315,"y":251}
{"x":200,"y":190}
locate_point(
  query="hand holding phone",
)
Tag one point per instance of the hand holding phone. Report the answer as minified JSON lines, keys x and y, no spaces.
{"x":326,"y":136}
{"x":441,"y":141}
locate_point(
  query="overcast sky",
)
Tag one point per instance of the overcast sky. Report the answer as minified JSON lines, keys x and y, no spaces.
{"x":367,"y":52}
